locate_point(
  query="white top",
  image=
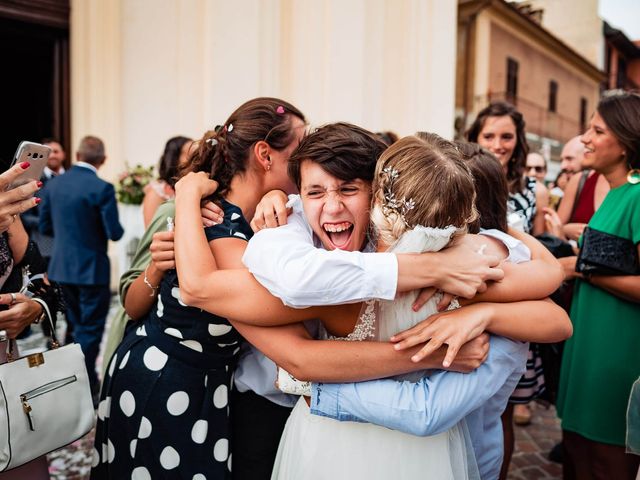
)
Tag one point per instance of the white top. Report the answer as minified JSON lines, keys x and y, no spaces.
{"x":518,"y":251}
{"x":290,"y":262}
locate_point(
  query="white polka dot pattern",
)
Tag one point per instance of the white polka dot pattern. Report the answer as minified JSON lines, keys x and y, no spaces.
{"x":221,"y":450}
{"x":140,"y":473}
{"x":192,"y":344}
{"x":178,"y":403}
{"x":169,"y":458}
{"x":145,"y":428}
{"x":154,"y":359}
{"x":174,"y":332}
{"x":199,"y":431}
{"x":221,"y":396}
{"x":127,"y":403}
{"x":218,"y":330}
{"x":124,"y":361}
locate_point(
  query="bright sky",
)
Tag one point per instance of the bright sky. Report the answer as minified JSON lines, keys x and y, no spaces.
{"x":622,"y":14}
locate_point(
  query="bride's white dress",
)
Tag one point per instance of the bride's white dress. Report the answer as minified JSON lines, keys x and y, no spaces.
{"x":319,"y":448}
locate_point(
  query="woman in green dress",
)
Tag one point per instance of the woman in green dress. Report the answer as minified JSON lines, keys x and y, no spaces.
{"x":602,"y":359}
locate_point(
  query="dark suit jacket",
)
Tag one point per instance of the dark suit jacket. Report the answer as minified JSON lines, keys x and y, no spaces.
{"x":31,"y":221}
{"x":80,"y":211}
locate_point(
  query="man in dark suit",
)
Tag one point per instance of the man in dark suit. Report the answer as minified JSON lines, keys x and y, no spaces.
{"x":80,"y":211}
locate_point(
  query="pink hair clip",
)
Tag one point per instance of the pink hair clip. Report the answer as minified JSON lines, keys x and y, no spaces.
{"x":280,"y":110}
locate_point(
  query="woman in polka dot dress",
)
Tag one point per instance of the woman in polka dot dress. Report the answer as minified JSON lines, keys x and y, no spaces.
{"x":163,"y":410}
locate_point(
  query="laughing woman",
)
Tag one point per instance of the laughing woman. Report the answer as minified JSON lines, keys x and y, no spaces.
{"x":602,"y":360}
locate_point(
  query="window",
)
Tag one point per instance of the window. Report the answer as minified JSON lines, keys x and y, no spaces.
{"x":553,"y":96}
{"x":583,"y":115}
{"x":512,"y":79}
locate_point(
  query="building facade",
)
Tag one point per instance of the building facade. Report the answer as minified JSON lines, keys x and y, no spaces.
{"x":505,"y":54}
{"x":144,"y":71}
{"x":622,"y":59}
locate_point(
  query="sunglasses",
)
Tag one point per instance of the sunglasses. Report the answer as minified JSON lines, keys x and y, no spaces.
{"x":538,"y":169}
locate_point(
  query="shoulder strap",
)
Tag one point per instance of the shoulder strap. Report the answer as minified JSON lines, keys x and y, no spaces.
{"x":583,"y":179}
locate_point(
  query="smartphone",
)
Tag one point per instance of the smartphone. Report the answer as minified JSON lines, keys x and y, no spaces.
{"x":34,"y":153}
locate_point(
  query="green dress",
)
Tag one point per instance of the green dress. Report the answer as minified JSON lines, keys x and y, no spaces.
{"x":602,"y":358}
{"x":140,"y":261}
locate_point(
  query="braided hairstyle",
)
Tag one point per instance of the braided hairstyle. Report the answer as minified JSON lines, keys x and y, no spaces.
{"x":518,"y":161}
{"x":421,"y":180}
{"x":225,"y":151}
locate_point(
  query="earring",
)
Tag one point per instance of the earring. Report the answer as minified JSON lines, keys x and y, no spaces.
{"x":633,"y":177}
{"x":268,"y":164}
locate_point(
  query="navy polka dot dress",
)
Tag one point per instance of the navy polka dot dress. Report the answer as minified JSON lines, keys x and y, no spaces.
{"x":164,"y":405}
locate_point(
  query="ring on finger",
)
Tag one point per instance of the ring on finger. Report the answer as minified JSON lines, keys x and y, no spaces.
{"x":13,"y":298}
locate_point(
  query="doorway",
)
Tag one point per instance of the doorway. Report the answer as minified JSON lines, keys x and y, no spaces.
{"x":34,"y":86}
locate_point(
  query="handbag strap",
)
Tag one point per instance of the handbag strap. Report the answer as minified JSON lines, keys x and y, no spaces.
{"x":47,"y":313}
{"x":54,"y":340}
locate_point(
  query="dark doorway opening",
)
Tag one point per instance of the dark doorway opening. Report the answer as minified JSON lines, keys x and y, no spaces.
{"x":34,"y":85}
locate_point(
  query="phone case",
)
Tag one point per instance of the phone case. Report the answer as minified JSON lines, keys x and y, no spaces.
{"x":34,"y":153}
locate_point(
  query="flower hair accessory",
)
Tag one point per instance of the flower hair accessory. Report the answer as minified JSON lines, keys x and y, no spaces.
{"x":392,"y":204}
{"x":280,"y":110}
{"x":212,"y":141}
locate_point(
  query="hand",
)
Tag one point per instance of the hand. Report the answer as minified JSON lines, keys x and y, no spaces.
{"x":211,"y":214}
{"x":453,"y":327}
{"x":471,"y":355}
{"x":428,"y":292}
{"x":552,"y":222}
{"x":17,"y":200}
{"x":272,"y":211}
{"x":162,"y":251}
{"x":574,"y":230}
{"x":20,"y":313}
{"x":196,"y":183}
{"x":569,"y":266}
{"x":463,"y":272}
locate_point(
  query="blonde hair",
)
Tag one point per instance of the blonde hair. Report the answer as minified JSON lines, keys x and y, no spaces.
{"x":421,"y":180}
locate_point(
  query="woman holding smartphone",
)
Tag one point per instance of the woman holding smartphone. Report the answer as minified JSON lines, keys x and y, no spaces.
{"x":17,"y":310}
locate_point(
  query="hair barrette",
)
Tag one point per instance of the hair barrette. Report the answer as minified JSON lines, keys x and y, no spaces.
{"x":280,"y":110}
{"x":212,"y":141}
{"x":230,"y":129}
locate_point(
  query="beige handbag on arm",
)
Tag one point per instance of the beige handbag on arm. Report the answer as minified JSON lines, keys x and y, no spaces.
{"x":45,"y":401}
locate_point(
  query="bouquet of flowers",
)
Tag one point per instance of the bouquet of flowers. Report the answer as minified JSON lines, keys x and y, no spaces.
{"x":131,"y":183}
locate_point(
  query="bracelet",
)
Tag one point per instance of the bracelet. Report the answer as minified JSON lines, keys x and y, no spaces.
{"x":154,"y":290}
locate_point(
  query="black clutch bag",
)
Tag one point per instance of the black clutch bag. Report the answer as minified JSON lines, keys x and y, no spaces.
{"x":606,"y":254}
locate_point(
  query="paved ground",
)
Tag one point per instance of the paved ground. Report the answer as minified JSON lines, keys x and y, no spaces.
{"x":533,"y":442}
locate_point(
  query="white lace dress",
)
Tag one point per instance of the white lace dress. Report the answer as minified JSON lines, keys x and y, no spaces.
{"x":319,"y":448}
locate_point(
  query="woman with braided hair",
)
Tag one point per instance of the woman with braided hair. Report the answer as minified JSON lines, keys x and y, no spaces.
{"x":164,"y":409}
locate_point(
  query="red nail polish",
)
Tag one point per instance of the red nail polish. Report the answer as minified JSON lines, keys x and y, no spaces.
{"x":38,"y":200}
{"x":25,"y":165}
{"x":39,"y":183}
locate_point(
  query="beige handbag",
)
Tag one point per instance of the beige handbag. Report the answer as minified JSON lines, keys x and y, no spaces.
{"x":45,"y":401}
